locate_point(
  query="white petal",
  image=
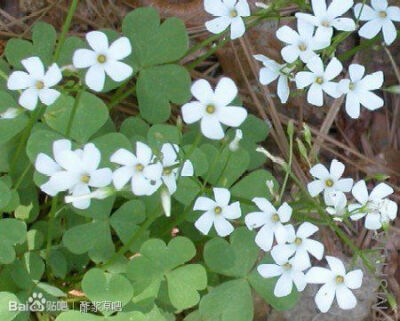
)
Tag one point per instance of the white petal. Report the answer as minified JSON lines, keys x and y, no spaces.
{"x":379,"y":4}
{"x":373,"y":81}
{"x":306,"y":229}
{"x":202,"y":91}
{"x":60,"y":146}
{"x":204,"y":204}
{"x":121,"y":176}
{"x":211,"y":128}
{"x":339,"y":7}
{"x":325,"y":297}
{"x":389,"y":32}
{"x":205,"y":222}
{"x":187,"y":169}
{"x":353,"y":105}
{"x":48,"y":96}
{"x":141,"y":186}
{"x":53,"y":76}
{"x":290,"y":53}
{"x":360,"y":192}
{"x":170,"y":182}
{"x":46,"y":165}
{"x":62,"y":181}
{"x":34,"y":66}
{"x":81,"y":189}
{"x":238,"y":28}
{"x":319,"y":7}
{"x":232,"y":116}
{"x":118,"y":71}
{"x":264,"y":205}
{"x":344,"y":185}
{"x":304,"y":79}
{"x":169,"y":156}
{"x":282,"y":252}
{"x":285,"y":212}
{"x":315,"y":248}
{"x":123,"y":157}
{"x":19,"y":80}
{"x":95,"y":77}
{"x":91,"y":157}
{"x":267,"y":76}
{"x":192,"y":112}
{"x":371,"y":101}
{"x":344,"y":24}
{"x":218,"y":25}
{"x":98,"y":41}
{"x":393,"y":13}
{"x":336,"y":169}
{"x":283,"y":286}
{"x":222,"y":226}
{"x":315,"y":95}
{"x":70,"y":160}
{"x":336,"y":265}
{"x":364,"y":12}
{"x":324,"y":33}
{"x":264,"y":238}
{"x":346,"y":299}
{"x":332,"y":89}
{"x":318,"y":275}
{"x":269,"y":270}
{"x":281,"y":234}
{"x":315,"y":188}
{"x":232,"y":211}
{"x":353,"y":279}
{"x":255,"y":220}
{"x":225,"y":92}
{"x":287,"y":35}
{"x":299,"y":280}
{"x":29,"y":99}
{"x":143,"y":153}
{"x":243,"y":8}
{"x":333,"y":69}
{"x":49,"y":189}
{"x":308,"y":18}
{"x":153,"y":172}
{"x":373,"y":222}
{"x":84,"y":58}
{"x":283,"y":89}
{"x":356,"y":72}
{"x":370,"y":29}
{"x":120,"y":49}
{"x":216,"y":7}
{"x":301,"y":260}
{"x":222,"y":196}
{"x":101,"y":177}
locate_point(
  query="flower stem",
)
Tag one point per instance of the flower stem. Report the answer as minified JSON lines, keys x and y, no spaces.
{"x":50,"y":226}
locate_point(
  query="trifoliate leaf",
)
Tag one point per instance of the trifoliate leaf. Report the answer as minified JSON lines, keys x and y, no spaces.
{"x":12,"y":232}
{"x":6,"y":314}
{"x":161,"y":134}
{"x":44,"y":39}
{"x":28,"y":270}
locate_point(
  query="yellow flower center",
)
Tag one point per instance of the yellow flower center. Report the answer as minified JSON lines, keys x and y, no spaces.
{"x":85,"y":179}
{"x":339,"y":279}
{"x":352,"y":85}
{"x":302,"y":47}
{"x":139,"y":167}
{"x":319,"y":80}
{"x":329,"y":183}
{"x":210,"y":109}
{"x":298,"y":241}
{"x":101,"y":59}
{"x":218,"y":210}
{"x":287,"y":266}
{"x":326,"y":24}
{"x":39,"y":84}
{"x":275,"y":217}
{"x":382,"y":14}
{"x":233,"y":13}
{"x":167,"y":171}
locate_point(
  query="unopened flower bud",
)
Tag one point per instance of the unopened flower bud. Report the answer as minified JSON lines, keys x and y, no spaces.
{"x":166,"y":201}
{"x":273,"y":158}
{"x":234,"y":144}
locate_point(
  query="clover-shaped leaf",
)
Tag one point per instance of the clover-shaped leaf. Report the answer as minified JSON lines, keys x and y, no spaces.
{"x":122,"y":316}
{"x":100,"y":286}
{"x":12,"y":232}
{"x":7,"y":314}
{"x":27,"y":271}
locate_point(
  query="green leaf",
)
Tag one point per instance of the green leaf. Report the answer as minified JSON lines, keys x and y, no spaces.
{"x":159,"y":85}
{"x":27,"y":271}
{"x":122,"y":316}
{"x":41,"y":141}
{"x":187,"y":190}
{"x":109,"y":144}
{"x":265,"y":288}
{"x":254,"y":129}
{"x":58,"y":264}
{"x":133,"y":127}
{"x":254,"y":185}
{"x":44,"y":39}
{"x":12,"y":232}
{"x":70,"y":45}
{"x":184,"y":283}
{"x":17,"y":50}
{"x":229,"y":301}
{"x":5,"y":195}
{"x":154,"y":43}
{"x":161,"y":133}
{"x":100,"y":287}
{"x":236,"y":258}
{"x":84,"y":124}
{"x":5,"y":313}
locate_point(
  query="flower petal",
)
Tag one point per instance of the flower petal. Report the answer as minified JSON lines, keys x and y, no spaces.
{"x":34,"y":67}
{"x":318,"y":275}
{"x":283,"y":89}
{"x":121,"y":176}
{"x":118,"y":71}
{"x":232,"y":211}
{"x":285,"y":212}
{"x":211,"y":128}
{"x":336,"y":265}
{"x":353,"y":105}
{"x":264,"y":205}
{"x":216,"y":8}
{"x":345,"y":298}
{"x":101,"y":177}
{"x":344,"y":24}
{"x":360,"y":192}
{"x":333,"y":69}
{"x":371,"y":101}
{"x":325,"y":297}
{"x":204,"y":204}
{"x":315,"y":95}
{"x":84,"y":58}
{"x":290,"y":53}
{"x":315,"y":188}
{"x":339,"y":7}
{"x":393,"y":13}
{"x":373,"y":222}
{"x":29,"y":98}
{"x":225,"y":92}
{"x":143,"y":153}
{"x":120,"y":49}
{"x":304,"y":79}
{"x":356,"y":72}
{"x":370,"y":29}
{"x":269,"y":270}
{"x":205,"y":222}
{"x":192,"y":112}
{"x":53,"y":76}
{"x":91,"y":157}
{"x":344,"y":185}
{"x":98,"y":41}
{"x":265,"y":238}
{"x":48,"y":96}
{"x":232,"y":116}
{"x":364,"y":12}
{"x":19,"y":80}
{"x":283,"y":286}
{"x":123,"y":157}
{"x":222,"y":226}
{"x":315,"y":248}
{"x":255,"y":220}
{"x":336,"y":169}
{"x":218,"y":25}
{"x":95,"y":78}
{"x":222,"y":196}
{"x":319,"y":7}
{"x":202,"y":91}
{"x":238,"y":28}
{"x":306,"y":229}
{"x":353,"y":279}
{"x":287,"y":35}
{"x":46,"y":165}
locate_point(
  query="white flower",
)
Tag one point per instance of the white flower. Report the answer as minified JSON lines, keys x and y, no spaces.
{"x":300,"y":245}
{"x":166,"y":201}
{"x":336,"y":282}
{"x":212,"y":108}
{"x":359,"y":90}
{"x":320,"y":80}
{"x":329,"y":181}
{"x":103,"y":59}
{"x":100,"y":194}
{"x":140,"y":169}
{"x":35,"y":83}
{"x":289,"y":273}
{"x":325,"y":19}
{"x":10,"y":113}
{"x":170,"y":162}
{"x":377,"y":209}
{"x":301,"y":44}
{"x":76,"y":171}
{"x":228,"y":13}
{"x":217,"y":212}
{"x":234,"y":144}
{"x":272,"y":71}
{"x":379,"y":17}
{"x":337,"y":203}
{"x":271,"y":222}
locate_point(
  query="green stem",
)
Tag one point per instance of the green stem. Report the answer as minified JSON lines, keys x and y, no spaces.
{"x":52,"y":214}
{"x":65,"y":29}
{"x":120,"y":97}
{"x":288,"y":169}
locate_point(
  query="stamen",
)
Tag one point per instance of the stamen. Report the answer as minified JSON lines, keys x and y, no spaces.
{"x":218,"y":210}
{"x":210,"y":109}
{"x":329,"y":183}
{"x":39,"y":84}
{"x":101,"y":59}
{"x":139,"y":167}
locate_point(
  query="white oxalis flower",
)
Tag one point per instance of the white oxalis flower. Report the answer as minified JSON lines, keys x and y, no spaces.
{"x":329,"y":180}
{"x":358,"y":90}
{"x":336,"y":282}
{"x":212,"y":108}
{"x":375,"y":207}
{"x":272,"y":71}
{"x":35,"y":83}
{"x":228,"y":13}
{"x":141,"y":169}
{"x":300,"y":44}
{"x":336,"y":202}
{"x":171,"y":168}
{"x":103,"y":59}
{"x":217,"y":212}
{"x":325,"y":19}
{"x":73,"y":170}
{"x":320,"y":79}
{"x":289,"y":272}
{"x":380,"y":17}
{"x":300,"y":245}
{"x":271,"y":222}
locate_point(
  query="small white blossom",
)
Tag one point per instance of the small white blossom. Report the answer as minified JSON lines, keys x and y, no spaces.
{"x":336,"y":282}
{"x":358,"y":90}
{"x":320,"y":79}
{"x":99,"y":194}
{"x":326,"y":19}
{"x":380,"y":17}
{"x":10,"y":113}
{"x":234,"y":144}
{"x":375,"y":207}
{"x":170,"y":162}
{"x":336,"y":202}
{"x":300,"y":44}
{"x":103,"y":59}
{"x":212,"y":108}
{"x":141,"y":169}
{"x":271,"y":222}
{"x":228,"y":13}
{"x":300,"y":245}
{"x":35,"y":83}
{"x":272,"y":71}
{"x":73,"y":171}
{"x":288,"y":271}
{"x":329,"y":180}
{"x":217,"y":212}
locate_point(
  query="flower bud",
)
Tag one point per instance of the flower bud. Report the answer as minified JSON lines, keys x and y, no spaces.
{"x":166,"y":201}
{"x":234,"y":144}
